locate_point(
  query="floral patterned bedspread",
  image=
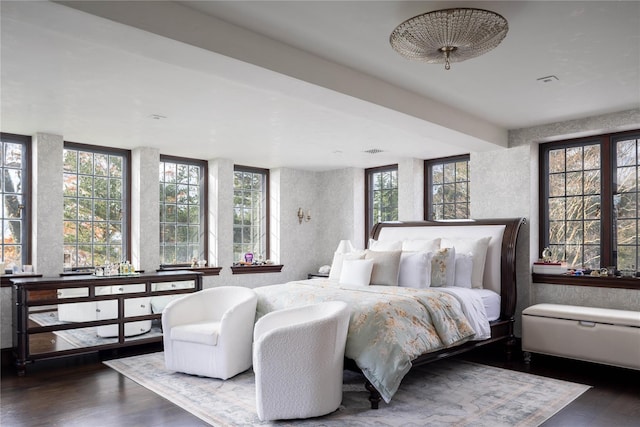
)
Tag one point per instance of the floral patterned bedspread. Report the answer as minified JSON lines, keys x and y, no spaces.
{"x":389,"y":326}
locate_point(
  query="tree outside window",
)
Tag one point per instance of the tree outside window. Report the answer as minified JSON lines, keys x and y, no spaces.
{"x":382,"y":195}
{"x":183,"y":219}
{"x":14,"y":179}
{"x":250,"y":213}
{"x":95,"y":197}
{"x":447,"y":188}
{"x":589,"y":205}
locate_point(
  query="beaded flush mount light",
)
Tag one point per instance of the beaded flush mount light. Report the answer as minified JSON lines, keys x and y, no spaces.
{"x":449,"y":35}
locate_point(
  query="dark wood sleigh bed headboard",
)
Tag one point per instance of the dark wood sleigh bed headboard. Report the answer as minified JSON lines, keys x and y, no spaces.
{"x":504,"y":229}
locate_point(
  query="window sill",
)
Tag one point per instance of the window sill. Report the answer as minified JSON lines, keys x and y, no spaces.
{"x":601,"y":282}
{"x":206,"y":271}
{"x":254,"y":269}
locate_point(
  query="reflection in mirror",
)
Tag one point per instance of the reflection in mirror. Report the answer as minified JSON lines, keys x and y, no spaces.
{"x":128,"y":289}
{"x":68,"y":339}
{"x":77,"y":312}
{"x":142,"y":330}
{"x":73,"y":293}
{"x":170,"y":286}
{"x":104,"y":290}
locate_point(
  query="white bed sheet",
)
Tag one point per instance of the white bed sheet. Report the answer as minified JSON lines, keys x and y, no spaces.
{"x":491,"y":302}
{"x":477,"y":305}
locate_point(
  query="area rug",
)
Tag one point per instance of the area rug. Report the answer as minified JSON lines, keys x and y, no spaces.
{"x":444,"y":393}
{"x":86,"y":337}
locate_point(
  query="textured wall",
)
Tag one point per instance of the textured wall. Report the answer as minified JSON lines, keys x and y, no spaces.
{"x":410,"y":190}
{"x":47,"y":204}
{"x":624,"y":299}
{"x":500,"y":188}
{"x":145,"y":205}
{"x":6,"y":318}
{"x":220,"y":212}
{"x":341,"y":199}
{"x":298,"y":251}
{"x":614,"y":122}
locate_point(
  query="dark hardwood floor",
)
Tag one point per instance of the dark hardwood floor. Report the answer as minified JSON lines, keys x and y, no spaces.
{"x":612,"y":401}
{"x":81,"y":391}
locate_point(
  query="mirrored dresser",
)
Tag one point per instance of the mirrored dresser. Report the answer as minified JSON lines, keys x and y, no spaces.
{"x":71,"y":315}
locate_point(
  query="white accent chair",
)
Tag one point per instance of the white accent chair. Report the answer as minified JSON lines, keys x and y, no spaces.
{"x":209,"y":333}
{"x":298,"y":358}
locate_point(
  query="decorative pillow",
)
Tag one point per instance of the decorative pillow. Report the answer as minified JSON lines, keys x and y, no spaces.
{"x":338,"y":258}
{"x":464,"y":268}
{"x":356,"y":272}
{"x":386,"y":266}
{"x":382,"y":246}
{"x":477,"y":247}
{"x":415,"y":269}
{"x":443,"y":267}
{"x":421,"y":245}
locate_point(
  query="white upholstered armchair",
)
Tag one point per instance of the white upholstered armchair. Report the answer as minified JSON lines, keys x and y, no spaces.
{"x":298,"y":358}
{"x":209,"y":333}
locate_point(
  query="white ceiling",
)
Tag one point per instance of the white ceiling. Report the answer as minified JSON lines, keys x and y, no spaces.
{"x":307,"y":84}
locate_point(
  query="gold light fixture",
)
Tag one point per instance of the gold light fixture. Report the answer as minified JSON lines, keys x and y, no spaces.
{"x":449,"y":35}
{"x":302,"y":216}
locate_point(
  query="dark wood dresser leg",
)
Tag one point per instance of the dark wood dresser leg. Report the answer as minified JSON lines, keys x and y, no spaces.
{"x":374,"y":395}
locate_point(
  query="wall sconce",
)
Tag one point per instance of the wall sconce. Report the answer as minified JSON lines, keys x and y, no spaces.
{"x":302,"y":216}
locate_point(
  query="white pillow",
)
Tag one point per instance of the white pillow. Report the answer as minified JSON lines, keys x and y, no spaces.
{"x":443,"y":267}
{"x":415,"y":269}
{"x":464,"y":268}
{"x":338,"y":258}
{"x":421,"y":245}
{"x":382,"y":246}
{"x":386,"y":266}
{"x":356,"y":272}
{"x":477,"y":247}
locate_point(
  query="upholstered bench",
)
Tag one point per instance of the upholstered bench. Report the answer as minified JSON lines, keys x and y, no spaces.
{"x":592,"y":334}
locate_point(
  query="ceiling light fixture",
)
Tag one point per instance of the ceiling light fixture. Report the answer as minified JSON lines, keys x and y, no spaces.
{"x":449,"y":35}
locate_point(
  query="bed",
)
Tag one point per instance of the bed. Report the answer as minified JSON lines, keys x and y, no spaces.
{"x":403,"y":317}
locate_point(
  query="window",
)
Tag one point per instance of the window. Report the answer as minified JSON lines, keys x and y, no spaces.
{"x":589,"y":200}
{"x":96,"y":205}
{"x":250,"y":213}
{"x":447,"y":188}
{"x":381,"y":203}
{"x":183,"y":213}
{"x":16,"y":192}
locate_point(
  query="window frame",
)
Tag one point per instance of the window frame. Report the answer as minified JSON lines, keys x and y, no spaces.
{"x":204,"y":205}
{"x":126,"y":170}
{"x":267,"y":216}
{"x":368,"y":195}
{"x":428,"y":184}
{"x":608,"y":233}
{"x":26,"y":238}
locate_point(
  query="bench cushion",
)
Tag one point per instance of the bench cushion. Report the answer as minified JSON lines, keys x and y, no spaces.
{"x":589,"y":314}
